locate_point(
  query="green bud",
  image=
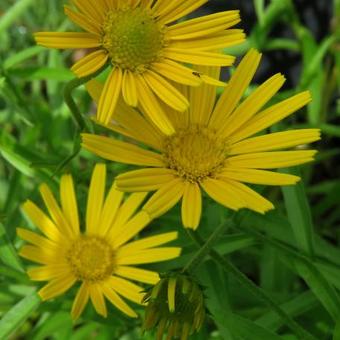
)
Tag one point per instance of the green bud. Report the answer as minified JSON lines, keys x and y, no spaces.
{"x":176,"y":305}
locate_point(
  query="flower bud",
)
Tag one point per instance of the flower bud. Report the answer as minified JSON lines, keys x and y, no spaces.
{"x":176,"y":305}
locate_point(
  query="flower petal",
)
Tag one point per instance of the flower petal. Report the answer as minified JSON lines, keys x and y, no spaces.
{"x":119,"y":151}
{"x":65,"y":40}
{"x":191,"y":205}
{"x":144,"y":179}
{"x":95,"y":199}
{"x":109,"y":96}
{"x":165,"y":198}
{"x":80,"y":301}
{"x":90,"y":63}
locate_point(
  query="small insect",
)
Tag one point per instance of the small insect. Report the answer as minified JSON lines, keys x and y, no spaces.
{"x":197,"y":74}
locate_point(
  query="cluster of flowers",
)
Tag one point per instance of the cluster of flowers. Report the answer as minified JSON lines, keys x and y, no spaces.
{"x":161,"y":94}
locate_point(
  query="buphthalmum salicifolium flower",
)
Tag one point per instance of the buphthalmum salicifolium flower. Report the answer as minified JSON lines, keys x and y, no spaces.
{"x":174,"y":305}
{"x":213,"y":149}
{"x":146,"y":48}
{"x":102,"y":258}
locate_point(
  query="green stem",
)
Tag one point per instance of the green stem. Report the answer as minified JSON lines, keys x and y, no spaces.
{"x":255,"y":290}
{"x":69,"y":88}
{"x":199,"y":257}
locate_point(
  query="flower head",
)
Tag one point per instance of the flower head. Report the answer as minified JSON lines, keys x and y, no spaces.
{"x":146,"y":50}
{"x":213,"y":149}
{"x":103,"y":257}
{"x":175,"y":305}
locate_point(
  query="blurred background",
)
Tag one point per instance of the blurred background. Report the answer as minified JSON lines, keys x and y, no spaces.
{"x":39,"y":141}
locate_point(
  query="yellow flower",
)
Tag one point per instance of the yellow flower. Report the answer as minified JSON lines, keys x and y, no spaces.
{"x":101,"y":258}
{"x":146,"y":49}
{"x":214,"y":147}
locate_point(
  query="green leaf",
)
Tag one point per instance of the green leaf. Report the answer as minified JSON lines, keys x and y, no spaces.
{"x":320,"y":287}
{"x":21,"y":56}
{"x":299,"y":214}
{"x":7,"y":252}
{"x":246,"y":329}
{"x":14,"y":318}
{"x":42,"y":73}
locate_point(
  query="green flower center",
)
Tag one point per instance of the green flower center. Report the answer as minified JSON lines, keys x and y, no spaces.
{"x":91,"y":259}
{"x":132,"y":38}
{"x":195,"y":153}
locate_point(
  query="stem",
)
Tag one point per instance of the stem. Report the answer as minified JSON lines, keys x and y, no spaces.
{"x":251,"y":286}
{"x":199,"y":257}
{"x":69,"y":88}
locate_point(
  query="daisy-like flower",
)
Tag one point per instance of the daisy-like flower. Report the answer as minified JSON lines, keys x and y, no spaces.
{"x":146,"y":49}
{"x":101,"y":258}
{"x":214,"y":148}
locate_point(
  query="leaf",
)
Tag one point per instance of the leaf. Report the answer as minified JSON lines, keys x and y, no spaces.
{"x":247,"y":329}
{"x":299,"y":213}
{"x":42,"y":73}
{"x":325,"y":293}
{"x":14,"y":318}
{"x":21,"y":56}
{"x":7,"y":252}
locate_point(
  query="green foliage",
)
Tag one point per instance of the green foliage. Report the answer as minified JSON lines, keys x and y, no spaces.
{"x":291,"y":254}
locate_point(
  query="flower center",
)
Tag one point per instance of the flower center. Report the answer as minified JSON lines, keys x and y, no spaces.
{"x":91,"y":258}
{"x":195,"y":153}
{"x":132,"y":38}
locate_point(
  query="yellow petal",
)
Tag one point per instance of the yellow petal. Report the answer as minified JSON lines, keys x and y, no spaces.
{"x":97,"y":299}
{"x":95,"y":199}
{"x":65,"y":40}
{"x":148,"y":242}
{"x":271,"y":116}
{"x":110,"y":210}
{"x":131,"y":228}
{"x":198,"y":57}
{"x":191,"y":205}
{"x":82,"y":21}
{"x":137,"y":274}
{"x":165,"y":198}
{"x":55,"y":211}
{"x":126,"y":211}
{"x":149,"y":256}
{"x":129,"y":89}
{"x":202,"y":99}
{"x":127,"y":289}
{"x":35,"y":239}
{"x":250,"y":106}
{"x":176,"y":72}
{"x":37,"y":255}
{"x":69,"y":202}
{"x":235,"y":88}
{"x":170,"y":11}
{"x":216,"y":41}
{"x":119,"y":151}
{"x":57,"y":287}
{"x":255,"y":176}
{"x":95,"y":89}
{"x":253,"y":200}
{"x":90,"y":63}
{"x":95,"y":11}
{"x":114,"y":298}
{"x":42,"y":221}
{"x":274,"y":141}
{"x":80,"y":301}
{"x":271,"y":160}
{"x":109,"y":96}
{"x":152,"y":108}
{"x":48,"y":272}
{"x":204,"y":26}
{"x":144,"y":179}
{"x":222,"y":193}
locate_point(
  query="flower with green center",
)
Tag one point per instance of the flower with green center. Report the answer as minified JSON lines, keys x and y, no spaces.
{"x":175,"y":305}
{"x":213,"y":149}
{"x":147,"y":50}
{"x":103,"y":257}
